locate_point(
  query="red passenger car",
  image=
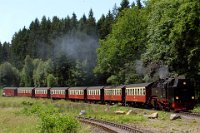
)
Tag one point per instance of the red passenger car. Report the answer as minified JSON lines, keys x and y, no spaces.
{"x":59,"y":92}
{"x":114,"y":94}
{"x":26,"y":92}
{"x":42,"y":92}
{"x":9,"y":91}
{"x":137,"y":93}
{"x":77,"y":93}
{"x":95,"y":93}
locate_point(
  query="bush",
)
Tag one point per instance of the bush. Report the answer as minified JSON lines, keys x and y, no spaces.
{"x":58,"y":123}
{"x":52,"y":121}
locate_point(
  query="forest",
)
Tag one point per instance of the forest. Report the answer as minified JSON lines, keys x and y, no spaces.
{"x":133,"y":43}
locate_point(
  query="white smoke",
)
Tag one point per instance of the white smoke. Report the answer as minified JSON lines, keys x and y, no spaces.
{"x":78,"y":46}
{"x":163,"y":71}
{"x":140,"y":70}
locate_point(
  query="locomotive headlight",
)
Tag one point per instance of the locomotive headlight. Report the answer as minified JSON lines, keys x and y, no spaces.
{"x":192,"y":97}
{"x":177,"y":97}
{"x":184,"y":83}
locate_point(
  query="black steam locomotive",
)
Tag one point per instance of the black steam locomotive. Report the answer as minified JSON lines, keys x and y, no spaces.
{"x":173,"y":93}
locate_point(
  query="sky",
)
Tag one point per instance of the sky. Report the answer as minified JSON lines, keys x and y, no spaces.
{"x":15,"y":14}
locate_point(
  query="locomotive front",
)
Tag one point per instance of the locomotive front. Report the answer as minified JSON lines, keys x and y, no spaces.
{"x":182,"y":94}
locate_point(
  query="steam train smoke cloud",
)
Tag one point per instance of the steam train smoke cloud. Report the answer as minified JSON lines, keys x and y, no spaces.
{"x":139,"y":67}
{"x":163,"y":71}
{"x":78,"y":46}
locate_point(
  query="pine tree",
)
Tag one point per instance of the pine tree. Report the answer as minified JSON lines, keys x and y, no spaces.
{"x":74,"y":22}
{"x":83,"y":24}
{"x":124,"y":4}
{"x":139,"y":4}
{"x":91,"y":23}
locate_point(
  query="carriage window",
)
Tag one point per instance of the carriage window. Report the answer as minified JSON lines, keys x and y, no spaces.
{"x":144,"y":91}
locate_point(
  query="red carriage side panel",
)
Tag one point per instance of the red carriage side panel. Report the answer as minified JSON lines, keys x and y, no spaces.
{"x":9,"y":91}
{"x":113,"y":93}
{"x":59,"y":92}
{"x":25,"y":91}
{"x":42,"y":92}
{"x":137,"y":93}
{"x":94,"y":93}
{"x":77,"y":93}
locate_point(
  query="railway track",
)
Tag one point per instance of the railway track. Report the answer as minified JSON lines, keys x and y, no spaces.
{"x":112,"y":127}
{"x":189,"y":114}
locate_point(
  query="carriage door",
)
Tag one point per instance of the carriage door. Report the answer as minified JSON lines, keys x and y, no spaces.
{"x":123,"y":96}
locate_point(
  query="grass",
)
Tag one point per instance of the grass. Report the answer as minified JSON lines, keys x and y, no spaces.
{"x":196,"y":108}
{"x":13,"y":119}
{"x":13,"y":122}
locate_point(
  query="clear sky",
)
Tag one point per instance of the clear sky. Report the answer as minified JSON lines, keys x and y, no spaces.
{"x":15,"y":14}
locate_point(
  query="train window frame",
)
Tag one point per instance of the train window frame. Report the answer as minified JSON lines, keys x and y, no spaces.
{"x":144,"y":91}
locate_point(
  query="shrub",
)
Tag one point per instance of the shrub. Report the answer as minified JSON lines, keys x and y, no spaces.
{"x":52,"y":121}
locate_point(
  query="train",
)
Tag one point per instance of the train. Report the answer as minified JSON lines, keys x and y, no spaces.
{"x":164,"y":94}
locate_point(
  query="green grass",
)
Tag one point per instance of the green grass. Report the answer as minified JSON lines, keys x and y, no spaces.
{"x":13,"y":122}
{"x":13,"y":115}
{"x":196,"y":108}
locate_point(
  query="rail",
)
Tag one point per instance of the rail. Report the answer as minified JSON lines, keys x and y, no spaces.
{"x":112,"y":127}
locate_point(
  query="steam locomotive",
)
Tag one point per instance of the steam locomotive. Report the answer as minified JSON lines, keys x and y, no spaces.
{"x":167,"y":94}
